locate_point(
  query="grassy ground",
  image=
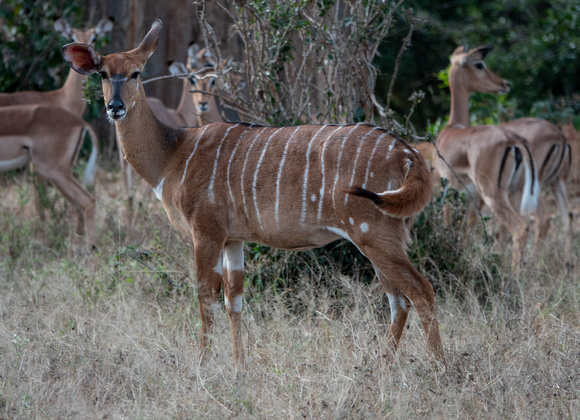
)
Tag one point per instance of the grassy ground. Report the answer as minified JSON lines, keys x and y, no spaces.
{"x":113,"y":334}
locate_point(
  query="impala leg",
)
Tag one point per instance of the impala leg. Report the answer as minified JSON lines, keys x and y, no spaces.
{"x":404,"y":278}
{"x":542,"y":225}
{"x":83,"y":202}
{"x":208,"y":268}
{"x":516,"y":226}
{"x":560,"y":192}
{"x":233,"y":290}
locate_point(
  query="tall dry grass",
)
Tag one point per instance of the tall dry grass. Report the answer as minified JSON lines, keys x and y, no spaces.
{"x":113,"y":334}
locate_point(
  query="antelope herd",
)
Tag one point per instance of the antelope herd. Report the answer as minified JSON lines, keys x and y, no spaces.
{"x":223,"y":184}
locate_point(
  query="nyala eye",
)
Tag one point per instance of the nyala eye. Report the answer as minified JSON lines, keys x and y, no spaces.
{"x":103,"y":74}
{"x":480,"y":65}
{"x":135,"y":75}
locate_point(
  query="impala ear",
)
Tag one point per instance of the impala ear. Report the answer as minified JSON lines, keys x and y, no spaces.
{"x":82,"y":58}
{"x":477,"y":54}
{"x":177,"y":69}
{"x":62,"y":27}
{"x":192,"y":52}
{"x":459,"y":51}
{"x":104,"y":26}
{"x":151,"y":40}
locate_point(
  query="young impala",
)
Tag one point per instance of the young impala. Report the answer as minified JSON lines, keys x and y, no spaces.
{"x":68,"y":98}
{"x":484,"y":159}
{"x":288,"y":187}
{"x":49,"y":138}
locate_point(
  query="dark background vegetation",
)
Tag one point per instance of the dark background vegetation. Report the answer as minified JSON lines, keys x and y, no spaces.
{"x":536,"y":48}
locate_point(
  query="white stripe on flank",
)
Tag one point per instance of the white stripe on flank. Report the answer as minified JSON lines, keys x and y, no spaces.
{"x":364,"y":185}
{"x":215,"y":162}
{"x":255,"y":181}
{"x":322,"y":170}
{"x":244,"y":169}
{"x":305,"y":184}
{"x":339,"y":159}
{"x":356,"y":160}
{"x":280,"y":174}
{"x":231,"y":160}
{"x":339,"y":232}
{"x":159,"y":189}
{"x":192,"y":153}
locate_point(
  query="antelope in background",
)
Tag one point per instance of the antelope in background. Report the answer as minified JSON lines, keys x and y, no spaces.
{"x":288,"y":187}
{"x":484,"y":159}
{"x":45,"y":128}
{"x":70,"y":95}
{"x":49,"y":138}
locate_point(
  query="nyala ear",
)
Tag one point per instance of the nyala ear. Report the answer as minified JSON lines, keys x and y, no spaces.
{"x":151,"y":40}
{"x":82,"y":58}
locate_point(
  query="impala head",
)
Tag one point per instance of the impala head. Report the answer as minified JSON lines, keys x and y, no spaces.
{"x":201,"y":58}
{"x":120,"y":71}
{"x":469,"y":70}
{"x":84,"y":37}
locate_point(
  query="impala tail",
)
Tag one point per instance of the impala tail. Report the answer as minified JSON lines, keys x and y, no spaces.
{"x":410,"y":198}
{"x":91,"y":169}
{"x":531,"y":184}
{"x":531,"y":189}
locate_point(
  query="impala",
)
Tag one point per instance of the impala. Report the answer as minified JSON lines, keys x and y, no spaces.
{"x":484,"y":159}
{"x":288,"y":187}
{"x":69,"y":98}
{"x":49,"y":138}
{"x":185,"y":113}
{"x":552,"y":155}
{"x":70,"y":95}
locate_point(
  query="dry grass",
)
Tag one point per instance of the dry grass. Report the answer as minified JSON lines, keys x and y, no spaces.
{"x":112,"y":334}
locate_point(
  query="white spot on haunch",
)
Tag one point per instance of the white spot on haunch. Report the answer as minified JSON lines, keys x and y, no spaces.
{"x":313,"y":198}
{"x":406,"y":151}
{"x":351,"y":221}
{"x":364,"y":227}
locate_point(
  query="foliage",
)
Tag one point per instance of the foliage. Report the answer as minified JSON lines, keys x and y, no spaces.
{"x":536,"y":48}
{"x":30,"y":52}
{"x":307,"y":61}
{"x":30,"y":57}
